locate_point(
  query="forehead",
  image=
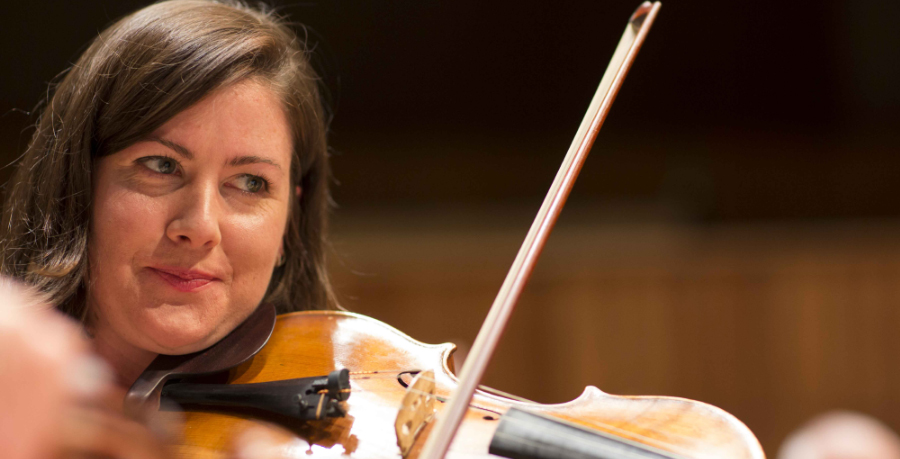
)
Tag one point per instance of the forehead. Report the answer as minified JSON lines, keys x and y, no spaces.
{"x":245,"y":118}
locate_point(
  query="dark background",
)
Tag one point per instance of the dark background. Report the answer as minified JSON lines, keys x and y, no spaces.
{"x":749,"y":113}
{"x":735,"y":110}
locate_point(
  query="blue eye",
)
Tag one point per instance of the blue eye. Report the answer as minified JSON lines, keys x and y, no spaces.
{"x":251,"y":183}
{"x":160,"y":164}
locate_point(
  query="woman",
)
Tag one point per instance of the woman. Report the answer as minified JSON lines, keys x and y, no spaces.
{"x":177,"y":179}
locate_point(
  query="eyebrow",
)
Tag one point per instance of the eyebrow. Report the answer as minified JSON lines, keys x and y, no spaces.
{"x":174,"y":146}
{"x":235,"y":162}
{"x":242,"y":160}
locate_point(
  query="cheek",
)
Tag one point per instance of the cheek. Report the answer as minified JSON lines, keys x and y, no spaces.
{"x":122,"y":217}
{"x":123,"y":223}
{"x":252,"y":244}
{"x":124,"y":226}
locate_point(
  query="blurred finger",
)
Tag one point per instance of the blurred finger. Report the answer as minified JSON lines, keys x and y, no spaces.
{"x":37,"y":346}
{"x":95,"y":432}
{"x":262,"y":442}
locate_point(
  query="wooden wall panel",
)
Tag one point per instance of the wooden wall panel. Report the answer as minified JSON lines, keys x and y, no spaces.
{"x":774,"y":322}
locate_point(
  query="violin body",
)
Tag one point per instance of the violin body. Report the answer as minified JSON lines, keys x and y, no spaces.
{"x":380,"y":359}
{"x":313,"y":343}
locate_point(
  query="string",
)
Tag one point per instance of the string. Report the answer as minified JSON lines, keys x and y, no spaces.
{"x":489,"y":335}
{"x":408,"y":390}
{"x":623,"y":454}
{"x":399,"y":373}
{"x":609,"y":428}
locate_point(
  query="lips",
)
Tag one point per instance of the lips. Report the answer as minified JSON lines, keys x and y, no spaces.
{"x":184,"y":280}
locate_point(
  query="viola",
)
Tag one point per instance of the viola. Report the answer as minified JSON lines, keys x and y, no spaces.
{"x":329,"y":383}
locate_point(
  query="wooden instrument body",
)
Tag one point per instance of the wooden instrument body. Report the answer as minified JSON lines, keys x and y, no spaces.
{"x":314,"y":343}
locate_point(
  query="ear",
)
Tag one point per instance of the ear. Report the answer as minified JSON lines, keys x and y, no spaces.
{"x":298,"y":191}
{"x":280,"y":260}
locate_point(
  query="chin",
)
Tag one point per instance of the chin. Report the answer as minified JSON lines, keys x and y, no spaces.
{"x":179,"y":343}
{"x":180,"y":335}
{"x":183,"y":346}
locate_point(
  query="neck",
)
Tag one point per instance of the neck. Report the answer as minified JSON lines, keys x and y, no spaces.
{"x":126,"y":360}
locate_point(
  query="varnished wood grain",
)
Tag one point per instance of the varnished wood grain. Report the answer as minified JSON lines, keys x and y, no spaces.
{"x":774,"y":322}
{"x":316,"y":342}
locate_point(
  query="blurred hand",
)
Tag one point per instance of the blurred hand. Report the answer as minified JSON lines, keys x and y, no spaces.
{"x":58,"y":399}
{"x":841,"y":435}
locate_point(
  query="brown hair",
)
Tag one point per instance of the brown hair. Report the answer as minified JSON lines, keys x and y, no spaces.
{"x":135,"y":76}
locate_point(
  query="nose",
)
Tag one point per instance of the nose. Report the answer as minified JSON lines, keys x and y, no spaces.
{"x":196,"y":220}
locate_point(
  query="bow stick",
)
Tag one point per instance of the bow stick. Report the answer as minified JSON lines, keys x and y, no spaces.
{"x":450,"y":417}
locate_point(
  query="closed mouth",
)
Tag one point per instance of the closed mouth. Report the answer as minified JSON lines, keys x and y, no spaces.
{"x":184,"y":280}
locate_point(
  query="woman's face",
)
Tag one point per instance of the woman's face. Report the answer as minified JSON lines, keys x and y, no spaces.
{"x":188,"y":223}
